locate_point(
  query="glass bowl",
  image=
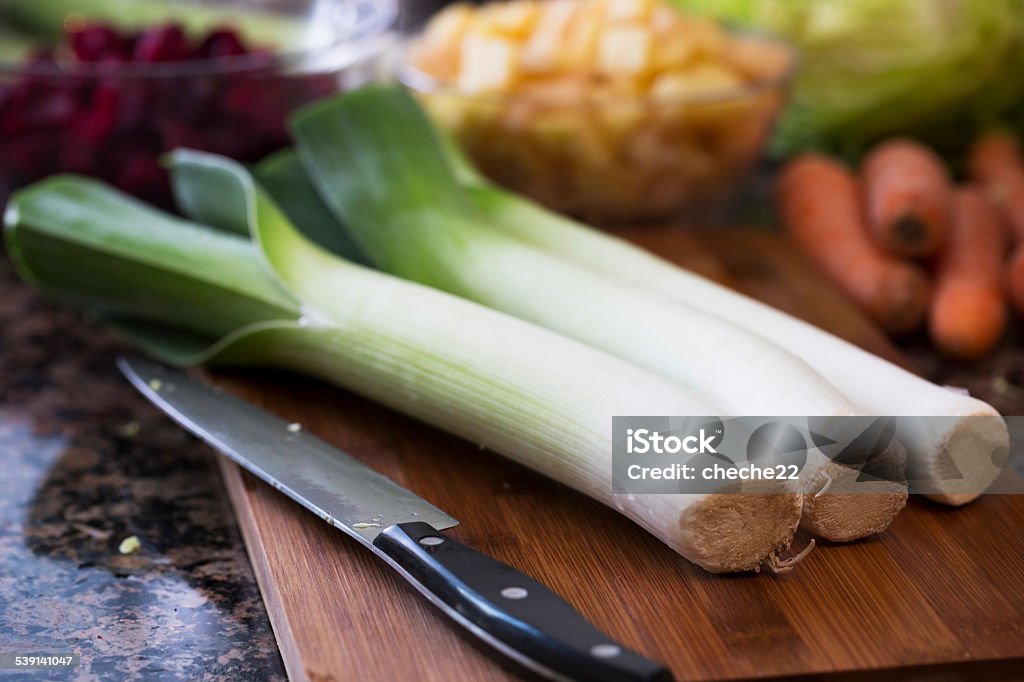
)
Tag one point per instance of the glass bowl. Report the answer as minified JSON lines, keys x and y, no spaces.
{"x":104,"y":87}
{"x":614,"y":156}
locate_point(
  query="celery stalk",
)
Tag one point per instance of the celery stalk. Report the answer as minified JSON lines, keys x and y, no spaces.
{"x":517,"y":389}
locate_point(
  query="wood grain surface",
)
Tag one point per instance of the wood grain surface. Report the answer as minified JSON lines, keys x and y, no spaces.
{"x":940,"y":596}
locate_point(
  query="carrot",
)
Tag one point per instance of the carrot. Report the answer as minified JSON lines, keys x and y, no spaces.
{"x":820,"y":204}
{"x":907,"y":196}
{"x":968,"y":312}
{"x":995,"y":161}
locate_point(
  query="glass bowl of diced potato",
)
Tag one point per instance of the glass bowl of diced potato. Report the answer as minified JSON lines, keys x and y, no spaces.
{"x":611,"y":110}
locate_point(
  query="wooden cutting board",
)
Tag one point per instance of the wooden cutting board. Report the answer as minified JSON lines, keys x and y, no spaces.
{"x":939,"y":596}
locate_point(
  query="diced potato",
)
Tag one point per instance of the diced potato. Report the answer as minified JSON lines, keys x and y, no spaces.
{"x":605,"y":108}
{"x":594,"y":149}
{"x":446,"y":30}
{"x":664,"y":20}
{"x":706,"y":35}
{"x":438,"y":64}
{"x":719,"y":117}
{"x":648,"y":148}
{"x":702,"y":81}
{"x":624,"y":50}
{"x":627,"y":11}
{"x":619,"y":118}
{"x":580,"y":47}
{"x":510,"y":19}
{"x":487,"y":64}
{"x":559,"y":90}
{"x":556,"y":126}
{"x":673,"y":52}
{"x":519,"y":115}
{"x":542,"y":51}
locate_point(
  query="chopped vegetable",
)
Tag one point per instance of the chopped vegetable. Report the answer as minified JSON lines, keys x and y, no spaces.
{"x":130,"y":545}
{"x":875,"y":386}
{"x":378,"y":165}
{"x":995,"y":161}
{"x":907,"y":196}
{"x":617,"y":109}
{"x":529,"y":47}
{"x":820,"y":205}
{"x":190,"y":294}
{"x":968,"y":313}
{"x":47,"y":20}
{"x":108,"y":103}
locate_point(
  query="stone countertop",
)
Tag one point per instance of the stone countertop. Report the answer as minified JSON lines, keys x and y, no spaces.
{"x":86,"y":463}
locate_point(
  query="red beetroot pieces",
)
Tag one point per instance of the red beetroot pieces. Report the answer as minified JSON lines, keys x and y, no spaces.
{"x":166,"y":43}
{"x":88,"y":118}
{"x":220,"y":44}
{"x":99,"y":43}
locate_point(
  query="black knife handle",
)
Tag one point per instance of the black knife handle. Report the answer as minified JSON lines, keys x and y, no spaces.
{"x":510,"y":611}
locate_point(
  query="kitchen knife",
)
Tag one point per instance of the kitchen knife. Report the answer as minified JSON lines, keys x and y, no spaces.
{"x":511,"y":612}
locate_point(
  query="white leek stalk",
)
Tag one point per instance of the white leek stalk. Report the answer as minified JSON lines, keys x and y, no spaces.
{"x":519,"y":390}
{"x":951,"y":458}
{"x":377,"y":164}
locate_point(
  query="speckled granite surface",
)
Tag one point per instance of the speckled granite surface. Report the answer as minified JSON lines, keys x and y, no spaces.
{"x":84,"y":463}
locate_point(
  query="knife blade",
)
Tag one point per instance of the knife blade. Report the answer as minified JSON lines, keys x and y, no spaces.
{"x":514,"y":614}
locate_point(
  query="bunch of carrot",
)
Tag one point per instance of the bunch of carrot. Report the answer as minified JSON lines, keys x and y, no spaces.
{"x":909,"y":245}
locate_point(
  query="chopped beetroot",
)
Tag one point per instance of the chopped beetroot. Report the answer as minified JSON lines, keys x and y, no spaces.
{"x":221,"y":43}
{"x":99,"y":120}
{"x":92,"y":120}
{"x":96,"y":43}
{"x":164,"y":43}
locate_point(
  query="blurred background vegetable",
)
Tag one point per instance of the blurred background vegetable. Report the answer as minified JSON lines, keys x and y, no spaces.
{"x":939,"y":70}
{"x":104,"y":87}
{"x":616,"y":110}
{"x":968,"y":312}
{"x":46,"y":21}
{"x":907,"y":197}
{"x":842,"y":220}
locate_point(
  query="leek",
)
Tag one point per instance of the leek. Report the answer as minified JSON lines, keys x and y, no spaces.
{"x":948,"y":464}
{"x":383,"y":171}
{"x":282,"y":177}
{"x":89,"y":245}
{"x":519,"y":390}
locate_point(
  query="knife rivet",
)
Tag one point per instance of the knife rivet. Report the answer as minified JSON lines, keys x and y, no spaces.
{"x":514,"y":593}
{"x":605,"y":651}
{"x":431,"y":541}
